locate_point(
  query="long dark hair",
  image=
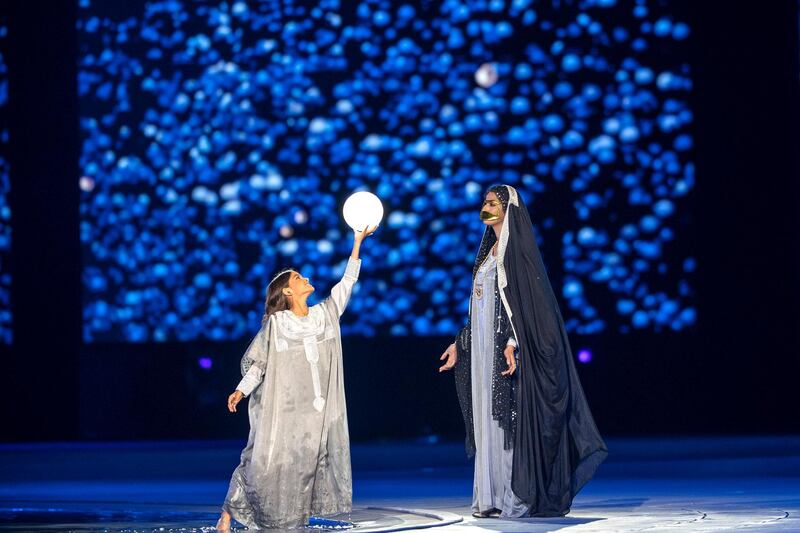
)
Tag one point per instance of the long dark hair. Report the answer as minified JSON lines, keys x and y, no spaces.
{"x":276,"y":300}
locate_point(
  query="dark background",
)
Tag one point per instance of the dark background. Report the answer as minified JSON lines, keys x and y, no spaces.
{"x":735,"y":373}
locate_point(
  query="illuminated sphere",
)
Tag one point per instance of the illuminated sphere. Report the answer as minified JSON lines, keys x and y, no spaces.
{"x":362,"y":209}
{"x":86,"y":183}
{"x":486,"y":75}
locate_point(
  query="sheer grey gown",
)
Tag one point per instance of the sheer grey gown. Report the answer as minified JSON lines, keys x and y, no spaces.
{"x":297,"y":460}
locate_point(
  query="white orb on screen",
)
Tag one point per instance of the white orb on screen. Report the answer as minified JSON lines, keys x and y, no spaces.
{"x":486,"y":75}
{"x":86,"y":183}
{"x":301,"y":217}
{"x":286,"y":231}
{"x":362,"y":209}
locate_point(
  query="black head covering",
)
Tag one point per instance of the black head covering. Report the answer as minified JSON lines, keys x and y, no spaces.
{"x":489,"y":237}
{"x":557,"y":446}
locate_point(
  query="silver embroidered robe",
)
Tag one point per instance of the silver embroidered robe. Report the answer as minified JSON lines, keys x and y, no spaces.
{"x":297,"y":460}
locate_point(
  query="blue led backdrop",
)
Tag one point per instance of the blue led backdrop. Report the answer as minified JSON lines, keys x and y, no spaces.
{"x":5,"y":187}
{"x":219,"y":141}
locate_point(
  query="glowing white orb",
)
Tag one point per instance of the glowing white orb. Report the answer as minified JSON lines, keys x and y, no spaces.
{"x":362,"y":209}
{"x":86,"y":183}
{"x":486,"y":75}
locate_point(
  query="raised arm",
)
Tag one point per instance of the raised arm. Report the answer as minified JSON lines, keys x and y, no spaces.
{"x":340,"y":293}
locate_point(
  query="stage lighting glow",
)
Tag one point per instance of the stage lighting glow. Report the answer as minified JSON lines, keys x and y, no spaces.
{"x":362,"y":209}
{"x":584,"y":356}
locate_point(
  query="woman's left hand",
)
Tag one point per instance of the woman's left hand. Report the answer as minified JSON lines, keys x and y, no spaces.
{"x":510,"y":361}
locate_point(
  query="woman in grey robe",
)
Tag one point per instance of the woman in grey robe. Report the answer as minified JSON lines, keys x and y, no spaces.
{"x":527,"y":419}
{"x":490,"y":335}
{"x":297,"y":460}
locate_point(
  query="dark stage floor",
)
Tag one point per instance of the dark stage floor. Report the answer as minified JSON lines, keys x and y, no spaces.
{"x":663,"y":484}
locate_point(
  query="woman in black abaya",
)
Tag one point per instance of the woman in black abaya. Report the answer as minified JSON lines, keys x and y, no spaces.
{"x":528,"y":423}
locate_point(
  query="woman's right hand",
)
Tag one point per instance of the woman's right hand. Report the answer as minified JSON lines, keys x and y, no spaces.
{"x":360,"y":235}
{"x":451,"y":355}
{"x":358,"y":238}
{"x":234,"y":399}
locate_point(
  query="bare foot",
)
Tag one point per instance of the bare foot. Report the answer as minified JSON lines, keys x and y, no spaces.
{"x":224,"y":522}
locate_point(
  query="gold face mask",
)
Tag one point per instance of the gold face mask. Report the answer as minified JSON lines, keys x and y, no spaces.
{"x":488,"y":216}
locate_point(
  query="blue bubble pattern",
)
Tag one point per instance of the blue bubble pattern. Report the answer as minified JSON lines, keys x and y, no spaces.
{"x":6,"y":333}
{"x":219,"y":141}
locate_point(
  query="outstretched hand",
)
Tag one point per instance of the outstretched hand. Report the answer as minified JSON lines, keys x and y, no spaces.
{"x":451,"y":355}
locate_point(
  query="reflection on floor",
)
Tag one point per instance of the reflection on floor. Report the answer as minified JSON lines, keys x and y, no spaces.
{"x":675,"y":484}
